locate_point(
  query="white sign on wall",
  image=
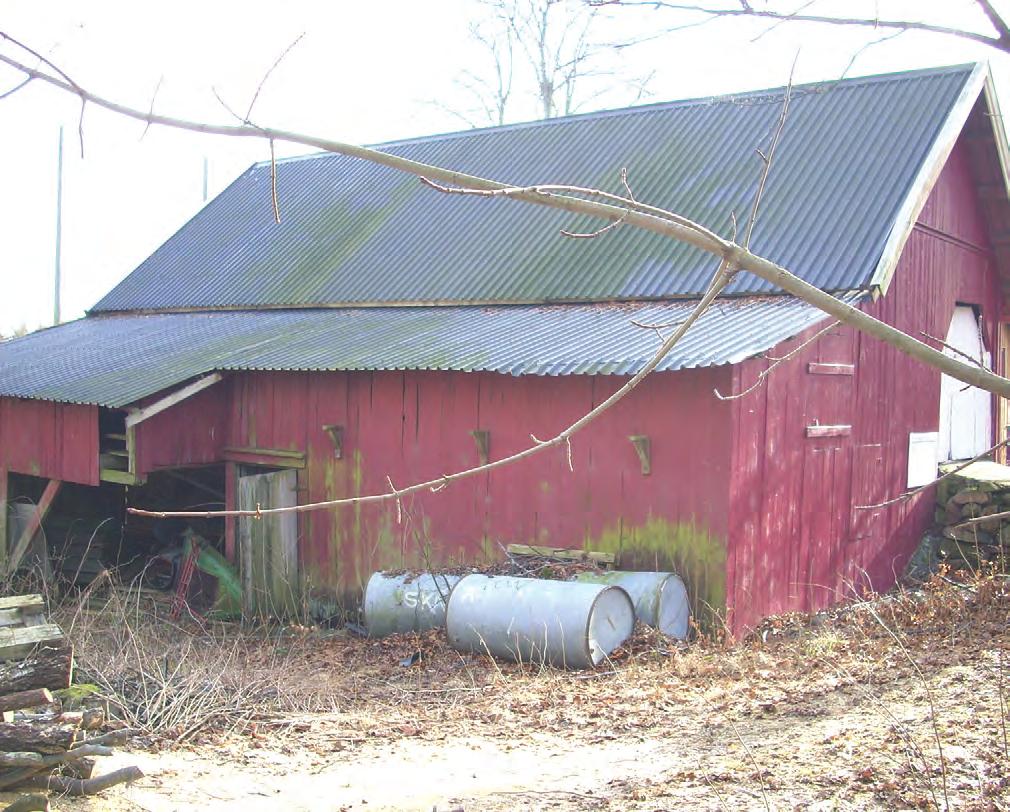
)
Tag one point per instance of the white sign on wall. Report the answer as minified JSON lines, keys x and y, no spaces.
{"x":922,"y":447}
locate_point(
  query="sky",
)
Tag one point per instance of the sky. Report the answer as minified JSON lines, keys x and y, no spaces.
{"x":362,"y":72}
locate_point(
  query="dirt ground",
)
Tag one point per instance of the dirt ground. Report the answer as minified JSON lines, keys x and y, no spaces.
{"x":842,"y":712}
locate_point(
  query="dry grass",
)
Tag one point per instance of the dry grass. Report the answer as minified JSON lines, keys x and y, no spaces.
{"x":832,"y":707}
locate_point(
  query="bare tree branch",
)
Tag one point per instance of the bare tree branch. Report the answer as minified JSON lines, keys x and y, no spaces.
{"x":271,"y":69}
{"x":782,"y":16}
{"x":775,"y":363}
{"x":916,"y":491}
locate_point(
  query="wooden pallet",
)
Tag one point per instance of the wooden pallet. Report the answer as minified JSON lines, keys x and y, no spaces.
{"x":23,"y":626}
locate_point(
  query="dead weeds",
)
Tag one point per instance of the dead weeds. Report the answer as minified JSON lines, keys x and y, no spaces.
{"x":828,"y":711}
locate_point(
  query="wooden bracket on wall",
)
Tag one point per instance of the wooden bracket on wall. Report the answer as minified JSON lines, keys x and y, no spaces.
{"x":644,"y":450}
{"x":817,"y":430}
{"x":482,"y":437}
{"x":336,"y":437}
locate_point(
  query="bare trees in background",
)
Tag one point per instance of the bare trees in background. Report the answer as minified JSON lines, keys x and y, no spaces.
{"x":541,"y":57}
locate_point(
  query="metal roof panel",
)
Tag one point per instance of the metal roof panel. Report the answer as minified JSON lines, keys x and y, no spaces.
{"x":352,"y":232}
{"x":116,"y":360}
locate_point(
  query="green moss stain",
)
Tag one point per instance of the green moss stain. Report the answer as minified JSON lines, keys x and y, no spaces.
{"x":687,"y":549}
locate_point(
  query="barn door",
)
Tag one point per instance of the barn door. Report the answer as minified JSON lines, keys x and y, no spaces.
{"x":965,"y":411}
{"x":268,"y":550}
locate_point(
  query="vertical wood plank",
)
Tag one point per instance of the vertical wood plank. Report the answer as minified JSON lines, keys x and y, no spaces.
{"x":3,"y":519}
{"x":52,"y":488}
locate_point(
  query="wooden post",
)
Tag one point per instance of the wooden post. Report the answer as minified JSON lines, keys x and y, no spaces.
{"x":41,"y":509}
{"x":3,"y":519}
{"x":230,"y":500}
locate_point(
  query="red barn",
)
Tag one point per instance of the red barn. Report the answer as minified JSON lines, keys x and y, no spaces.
{"x":385,"y":333}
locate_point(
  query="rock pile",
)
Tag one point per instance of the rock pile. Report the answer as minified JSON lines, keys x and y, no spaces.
{"x":972,"y":523}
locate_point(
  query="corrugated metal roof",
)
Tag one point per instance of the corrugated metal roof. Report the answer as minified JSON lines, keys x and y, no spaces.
{"x":117,"y":360}
{"x":355,"y":232}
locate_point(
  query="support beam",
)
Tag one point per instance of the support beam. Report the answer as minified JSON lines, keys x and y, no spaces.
{"x":140,"y":415}
{"x":3,"y":519}
{"x":230,"y":503}
{"x":41,"y":509}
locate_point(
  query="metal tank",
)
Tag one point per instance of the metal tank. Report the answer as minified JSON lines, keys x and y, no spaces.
{"x":411,"y":602}
{"x":564,"y":623}
{"x":660,"y":598}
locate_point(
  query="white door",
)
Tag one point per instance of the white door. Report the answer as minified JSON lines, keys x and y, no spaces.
{"x":965,"y":411}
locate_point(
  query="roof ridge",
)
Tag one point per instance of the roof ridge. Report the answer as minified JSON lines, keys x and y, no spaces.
{"x":773,"y":94}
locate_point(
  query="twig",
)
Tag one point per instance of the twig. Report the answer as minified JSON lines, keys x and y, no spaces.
{"x":775,"y":362}
{"x":770,"y":157}
{"x":150,"y":110}
{"x":266,"y":76}
{"x":947,"y":346}
{"x":273,"y":185}
{"x":916,"y":491}
{"x":929,"y":698}
{"x":904,"y":25}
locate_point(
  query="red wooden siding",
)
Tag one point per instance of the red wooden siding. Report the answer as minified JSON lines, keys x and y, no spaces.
{"x":51,"y":440}
{"x":192,"y":432}
{"x":417,"y":425}
{"x":795,"y":541}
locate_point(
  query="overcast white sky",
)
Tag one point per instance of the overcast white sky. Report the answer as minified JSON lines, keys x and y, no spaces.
{"x":364,"y":72}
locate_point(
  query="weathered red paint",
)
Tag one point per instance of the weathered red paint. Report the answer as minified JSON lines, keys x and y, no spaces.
{"x":796,"y":543}
{"x":50,"y":440}
{"x":192,"y":432}
{"x":417,"y":425}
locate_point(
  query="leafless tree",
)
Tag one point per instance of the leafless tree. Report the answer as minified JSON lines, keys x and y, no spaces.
{"x":547,"y":52}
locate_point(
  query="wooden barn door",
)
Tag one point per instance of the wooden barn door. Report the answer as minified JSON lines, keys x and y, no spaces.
{"x":824,"y":524}
{"x":268,"y":546}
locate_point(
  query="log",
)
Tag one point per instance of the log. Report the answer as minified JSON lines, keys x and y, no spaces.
{"x":83,"y":768}
{"x":27,"y":765}
{"x":27,"y":759}
{"x":39,"y":738}
{"x":49,"y":667}
{"x":90,"y":786}
{"x":29,"y":803}
{"x":112,"y":737}
{"x":26,"y":699}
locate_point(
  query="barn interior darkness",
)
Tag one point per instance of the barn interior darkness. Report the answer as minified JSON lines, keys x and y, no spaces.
{"x":88,"y":531}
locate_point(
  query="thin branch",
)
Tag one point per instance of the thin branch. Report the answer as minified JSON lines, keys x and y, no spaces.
{"x":903,"y":25}
{"x":770,"y":157}
{"x":266,"y":76}
{"x":915,"y":492}
{"x":720,"y":279}
{"x":150,"y":110}
{"x":766,"y":372}
{"x":953,"y":349}
{"x":274,"y":199}
{"x":16,"y":88}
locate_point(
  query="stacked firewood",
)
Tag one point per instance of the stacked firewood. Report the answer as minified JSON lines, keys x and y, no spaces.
{"x":972,"y":523}
{"x":42,"y":746}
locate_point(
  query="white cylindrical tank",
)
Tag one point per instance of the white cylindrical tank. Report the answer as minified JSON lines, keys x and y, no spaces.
{"x":564,"y":623}
{"x":411,"y":602}
{"x":660,"y":598}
